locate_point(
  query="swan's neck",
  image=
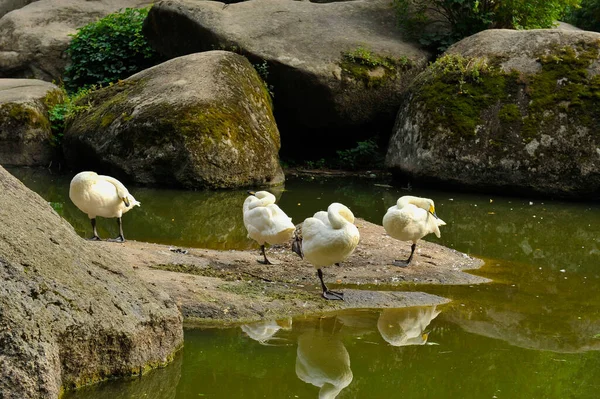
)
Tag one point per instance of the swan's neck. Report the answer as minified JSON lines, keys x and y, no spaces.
{"x":339,"y":215}
{"x":416,"y":201}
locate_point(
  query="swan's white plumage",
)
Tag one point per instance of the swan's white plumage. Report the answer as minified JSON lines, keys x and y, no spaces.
{"x":411,"y":219}
{"x":265,"y":221}
{"x":98,"y":195}
{"x":323,"y":361}
{"x":406,"y":326}
{"x":329,"y":237}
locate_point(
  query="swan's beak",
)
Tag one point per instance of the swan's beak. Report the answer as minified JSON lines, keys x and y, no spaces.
{"x":126,"y":202}
{"x":425,"y":336}
{"x":432,"y":211}
{"x":251,"y":192}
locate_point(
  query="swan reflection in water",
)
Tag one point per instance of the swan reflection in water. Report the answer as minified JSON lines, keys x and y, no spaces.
{"x":406,"y":326}
{"x":264,"y":331}
{"x":323,"y":361}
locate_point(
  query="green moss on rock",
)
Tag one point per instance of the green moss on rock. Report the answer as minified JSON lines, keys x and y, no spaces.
{"x":372,"y":69}
{"x":457,"y":91}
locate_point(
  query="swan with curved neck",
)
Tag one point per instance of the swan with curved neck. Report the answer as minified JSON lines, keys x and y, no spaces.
{"x":265,"y":221}
{"x":411,"y":219}
{"x":105,"y":196}
{"x":328,"y":238}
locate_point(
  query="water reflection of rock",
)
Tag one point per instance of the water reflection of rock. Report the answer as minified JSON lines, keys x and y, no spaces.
{"x":160,"y":383}
{"x":264,"y":331}
{"x":323,"y":361}
{"x":402,"y":327}
{"x":567,"y":334}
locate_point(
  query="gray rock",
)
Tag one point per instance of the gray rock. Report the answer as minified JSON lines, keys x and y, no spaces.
{"x":303,"y":43}
{"x":25,"y":135}
{"x":71,"y":314}
{"x":515,"y":111}
{"x":7,"y":6}
{"x":33,"y":39}
{"x":202,"y":120}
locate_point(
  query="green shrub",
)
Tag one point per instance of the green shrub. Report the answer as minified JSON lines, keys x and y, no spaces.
{"x":437,"y":24}
{"x":61,"y":113}
{"x":365,"y":155}
{"x":587,"y":16}
{"x":110,"y":49}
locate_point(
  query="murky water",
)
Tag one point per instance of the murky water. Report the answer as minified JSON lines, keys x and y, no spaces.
{"x":533,"y":333}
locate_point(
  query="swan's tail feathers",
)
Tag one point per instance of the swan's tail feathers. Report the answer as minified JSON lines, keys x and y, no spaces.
{"x":440,"y":222}
{"x":133,"y":202}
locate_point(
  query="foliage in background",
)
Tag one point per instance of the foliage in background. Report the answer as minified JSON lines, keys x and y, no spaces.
{"x":110,"y":49}
{"x":437,"y":24}
{"x":365,"y":155}
{"x":587,"y":16}
{"x":60,"y":113}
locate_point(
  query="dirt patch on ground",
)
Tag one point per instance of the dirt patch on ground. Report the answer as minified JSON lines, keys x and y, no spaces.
{"x":231,"y":286}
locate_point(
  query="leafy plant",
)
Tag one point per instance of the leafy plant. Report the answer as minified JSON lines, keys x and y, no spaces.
{"x":437,"y":24}
{"x":586,"y":16}
{"x":364,"y":156}
{"x":110,"y":49}
{"x":61,"y":113}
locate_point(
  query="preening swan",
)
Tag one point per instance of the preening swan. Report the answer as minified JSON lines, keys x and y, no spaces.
{"x":411,"y":219}
{"x":265,"y":221}
{"x":99,"y":195}
{"x":324,"y":362}
{"x":328,"y":238}
{"x":406,"y":326}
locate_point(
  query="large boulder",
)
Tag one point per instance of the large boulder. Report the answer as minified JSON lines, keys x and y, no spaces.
{"x":71,"y":314}
{"x":33,"y":39}
{"x":516,"y":111}
{"x":25,"y":134}
{"x":7,"y":6}
{"x":337,"y":70}
{"x":198,"y":121}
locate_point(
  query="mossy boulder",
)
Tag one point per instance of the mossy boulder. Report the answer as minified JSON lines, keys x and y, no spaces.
{"x":504,"y":110}
{"x":198,"y":121}
{"x":72,"y":314}
{"x":25,"y":135}
{"x":337,"y":69}
{"x":33,"y":39}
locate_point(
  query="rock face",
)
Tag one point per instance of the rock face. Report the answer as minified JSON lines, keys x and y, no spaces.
{"x":25,"y":135}
{"x":336,"y":69}
{"x":7,"y":6}
{"x":33,"y":39}
{"x":71,"y":314}
{"x":198,"y":121}
{"x":506,"y":110}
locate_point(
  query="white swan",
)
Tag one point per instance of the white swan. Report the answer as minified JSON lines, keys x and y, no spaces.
{"x":99,"y":195}
{"x":264,"y":331}
{"x":328,"y":238}
{"x":265,"y":221}
{"x":411,"y":219}
{"x":323,"y":361}
{"x":406,"y":326}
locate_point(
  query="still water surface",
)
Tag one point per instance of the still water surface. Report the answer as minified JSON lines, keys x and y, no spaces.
{"x":532,"y":333}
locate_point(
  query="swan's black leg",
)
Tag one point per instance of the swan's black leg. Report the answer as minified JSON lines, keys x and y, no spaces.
{"x":95,"y":237}
{"x":405,"y":263}
{"x":120,"y":237}
{"x":265,"y":261}
{"x":331,"y":295}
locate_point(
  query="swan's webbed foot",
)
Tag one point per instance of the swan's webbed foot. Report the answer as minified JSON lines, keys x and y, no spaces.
{"x":119,"y":238}
{"x":95,"y":238}
{"x":400,"y":263}
{"x":333,"y":295}
{"x":265,"y":261}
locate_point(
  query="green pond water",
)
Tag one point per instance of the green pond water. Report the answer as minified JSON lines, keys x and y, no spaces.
{"x":532,"y":333}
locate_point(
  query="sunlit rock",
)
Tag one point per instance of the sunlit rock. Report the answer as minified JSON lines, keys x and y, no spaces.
{"x":71,"y":314}
{"x":336,"y":69}
{"x":506,"y":110}
{"x":198,"y":121}
{"x":25,"y":135}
